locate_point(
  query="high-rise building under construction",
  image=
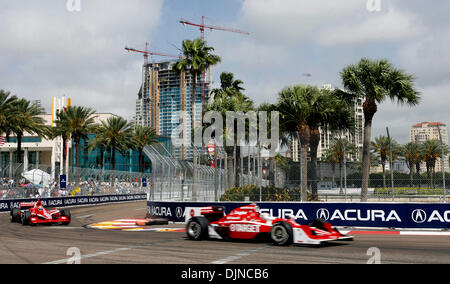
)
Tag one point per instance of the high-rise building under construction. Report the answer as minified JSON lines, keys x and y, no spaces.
{"x":164,"y":104}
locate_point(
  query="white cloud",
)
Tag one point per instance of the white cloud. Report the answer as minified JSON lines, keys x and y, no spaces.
{"x":293,"y":20}
{"x":392,"y":26}
{"x":327,"y":22}
{"x":50,"y":51}
{"x":428,"y":57}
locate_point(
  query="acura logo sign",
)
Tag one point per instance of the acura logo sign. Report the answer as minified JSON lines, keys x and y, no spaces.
{"x":179,"y":212}
{"x":323,"y":213}
{"x":419,"y":216}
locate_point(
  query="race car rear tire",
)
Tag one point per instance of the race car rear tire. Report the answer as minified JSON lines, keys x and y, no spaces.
{"x":282,"y":234}
{"x":15,"y":217}
{"x":25,"y":218}
{"x":197,"y":228}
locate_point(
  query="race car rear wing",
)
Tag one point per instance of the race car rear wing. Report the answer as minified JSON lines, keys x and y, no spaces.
{"x":212,"y":213}
{"x":26,"y":205}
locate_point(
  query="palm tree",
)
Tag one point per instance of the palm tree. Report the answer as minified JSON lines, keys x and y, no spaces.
{"x":381,"y":147}
{"x":6,"y":102}
{"x":412,"y":154}
{"x":63,"y":132}
{"x":432,"y":150}
{"x":281,"y":165}
{"x":339,"y":149}
{"x":303,"y":110}
{"x":100,"y":143}
{"x":143,"y":136}
{"x":331,"y":113}
{"x":230,"y":98}
{"x":294,"y":106}
{"x":29,"y":121}
{"x":329,"y":157}
{"x":228,"y":84}
{"x":76,"y":122}
{"x":117,"y":133}
{"x":197,"y":58}
{"x":375,"y":81}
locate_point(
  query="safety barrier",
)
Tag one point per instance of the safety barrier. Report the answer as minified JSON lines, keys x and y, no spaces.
{"x":7,"y":205}
{"x":385,"y":215}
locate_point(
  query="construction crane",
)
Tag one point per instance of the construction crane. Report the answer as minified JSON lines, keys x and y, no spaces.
{"x":202,"y":28}
{"x":146,"y":85}
{"x":147,"y":53}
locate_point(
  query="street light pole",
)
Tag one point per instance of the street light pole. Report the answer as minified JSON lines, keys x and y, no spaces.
{"x":443,"y":165}
{"x":391,"y":164}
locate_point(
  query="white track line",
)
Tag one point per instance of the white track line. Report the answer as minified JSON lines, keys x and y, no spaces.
{"x":420,"y":233}
{"x":85,"y":216}
{"x":239,"y":255}
{"x":65,"y":260}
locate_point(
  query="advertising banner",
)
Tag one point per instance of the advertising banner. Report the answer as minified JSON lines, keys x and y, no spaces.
{"x":7,"y":205}
{"x":385,"y":215}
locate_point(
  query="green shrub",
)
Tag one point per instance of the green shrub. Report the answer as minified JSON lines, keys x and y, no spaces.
{"x":268,"y":193}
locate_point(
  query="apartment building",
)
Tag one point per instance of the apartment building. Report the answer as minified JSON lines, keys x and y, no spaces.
{"x":164,"y":104}
{"x":424,"y":131}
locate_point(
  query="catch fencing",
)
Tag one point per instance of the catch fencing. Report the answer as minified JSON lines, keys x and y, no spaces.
{"x":244,"y":177}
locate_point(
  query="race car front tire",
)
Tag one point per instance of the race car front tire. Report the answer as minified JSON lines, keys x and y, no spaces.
{"x":282,"y":234}
{"x":197,"y":228}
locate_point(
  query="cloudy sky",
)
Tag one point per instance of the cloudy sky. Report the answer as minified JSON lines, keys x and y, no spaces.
{"x":49,"y":50}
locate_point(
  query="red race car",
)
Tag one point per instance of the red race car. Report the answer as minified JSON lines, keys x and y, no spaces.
{"x":33,"y":213}
{"x":248,"y":223}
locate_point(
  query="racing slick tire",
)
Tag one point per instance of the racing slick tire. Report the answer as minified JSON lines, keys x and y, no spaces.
{"x":15,"y":217}
{"x":66,"y":212}
{"x":282,"y":234}
{"x":197,"y":228}
{"x":25,"y":217}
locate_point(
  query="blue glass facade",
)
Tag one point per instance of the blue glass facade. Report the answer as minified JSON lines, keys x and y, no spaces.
{"x":125,"y":162}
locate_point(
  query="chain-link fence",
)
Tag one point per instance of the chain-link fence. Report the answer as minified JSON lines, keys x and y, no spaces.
{"x":245,"y":176}
{"x":343,"y":182}
{"x":172,"y":178}
{"x":40,"y":181}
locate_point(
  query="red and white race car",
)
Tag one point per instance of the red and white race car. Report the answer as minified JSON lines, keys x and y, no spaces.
{"x":33,"y":213}
{"x":248,"y":223}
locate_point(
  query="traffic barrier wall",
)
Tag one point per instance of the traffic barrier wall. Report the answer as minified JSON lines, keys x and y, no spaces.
{"x":8,"y":204}
{"x":385,"y":215}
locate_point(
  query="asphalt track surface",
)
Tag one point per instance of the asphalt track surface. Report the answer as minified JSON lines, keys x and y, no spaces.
{"x":56,"y":244}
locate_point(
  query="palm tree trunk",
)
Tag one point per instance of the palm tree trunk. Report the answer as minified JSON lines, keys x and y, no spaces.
{"x":304,"y":163}
{"x":113,"y":165}
{"x":18,"y":157}
{"x":418,"y":174}
{"x":341,"y":191}
{"x":194,"y":152}
{"x":411,"y":175}
{"x":77,"y":160}
{"x":140,"y":161}
{"x":314,"y":144}
{"x":230,"y":170}
{"x":333,"y":169}
{"x":432,"y":176}
{"x":383,"y":166}
{"x":102,"y":158}
{"x":304,"y":134}
{"x":369,"y":108}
